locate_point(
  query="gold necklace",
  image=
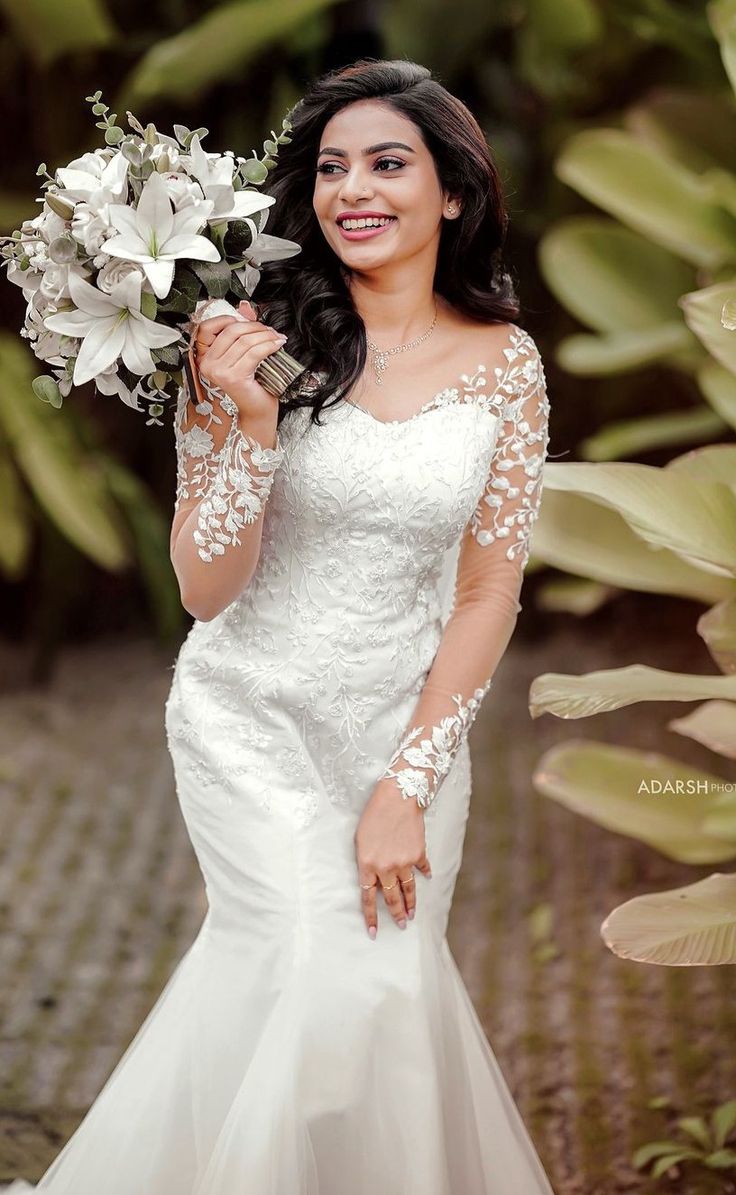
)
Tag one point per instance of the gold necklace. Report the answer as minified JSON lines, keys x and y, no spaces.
{"x":380,"y":356}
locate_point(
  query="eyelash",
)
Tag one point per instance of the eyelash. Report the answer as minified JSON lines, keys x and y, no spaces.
{"x":323,"y":169}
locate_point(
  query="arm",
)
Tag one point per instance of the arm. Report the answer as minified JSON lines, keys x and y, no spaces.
{"x":493,"y":556}
{"x":225,"y":469}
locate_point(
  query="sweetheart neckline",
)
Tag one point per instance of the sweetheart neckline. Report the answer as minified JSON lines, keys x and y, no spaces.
{"x":454,"y":386}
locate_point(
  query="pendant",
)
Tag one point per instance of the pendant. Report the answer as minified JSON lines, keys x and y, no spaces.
{"x":380,"y":365}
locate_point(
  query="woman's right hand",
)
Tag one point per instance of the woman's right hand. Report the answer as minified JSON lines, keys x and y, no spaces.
{"x":228,"y":352}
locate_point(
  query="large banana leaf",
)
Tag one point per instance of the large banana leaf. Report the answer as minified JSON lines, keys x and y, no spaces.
{"x":601,"y":356}
{"x":717,"y":628}
{"x":587,"y":539}
{"x":610,"y":278}
{"x":650,"y":193}
{"x":722,"y":17}
{"x":711,"y":463}
{"x":573,"y":595}
{"x":697,"y":521}
{"x":702,"y":310}
{"x":62,"y":476}
{"x":713,"y":724}
{"x":215,"y":47}
{"x":692,"y":926}
{"x":50,"y":28}
{"x":642,"y":794}
{"x":695,"y":128}
{"x":630,"y":437}
{"x":550,"y":41}
{"x":591,"y":693}
{"x":718,"y":386}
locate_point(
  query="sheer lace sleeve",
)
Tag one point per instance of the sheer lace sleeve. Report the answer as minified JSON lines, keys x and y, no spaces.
{"x":493,"y":555}
{"x":223,"y":479}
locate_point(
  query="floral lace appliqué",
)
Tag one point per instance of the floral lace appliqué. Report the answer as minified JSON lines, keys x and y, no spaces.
{"x":510,"y":502}
{"x":430,"y":760}
{"x":234,"y":483}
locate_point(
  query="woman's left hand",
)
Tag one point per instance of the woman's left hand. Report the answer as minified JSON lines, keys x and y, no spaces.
{"x":389,"y":844}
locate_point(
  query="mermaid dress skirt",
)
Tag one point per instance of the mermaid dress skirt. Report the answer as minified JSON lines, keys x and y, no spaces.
{"x":289,"y":1053}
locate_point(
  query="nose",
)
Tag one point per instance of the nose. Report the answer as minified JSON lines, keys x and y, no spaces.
{"x":355,"y":185}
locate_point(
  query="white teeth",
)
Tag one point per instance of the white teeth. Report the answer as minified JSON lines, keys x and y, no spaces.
{"x":369,"y":222}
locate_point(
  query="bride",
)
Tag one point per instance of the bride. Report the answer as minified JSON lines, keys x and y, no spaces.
{"x":353,"y":559}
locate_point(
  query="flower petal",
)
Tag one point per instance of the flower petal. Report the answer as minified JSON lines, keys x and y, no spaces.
{"x":71,"y":323}
{"x":160,"y":274}
{"x":136,"y":353}
{"x":101,"y":347}
{"x":127,"y":292}
{"x":89,"y":298}
{"x":155,"y":335}
{"x":198,"y":248}
{"x":123,"y":218}
{"x":154,"y":214}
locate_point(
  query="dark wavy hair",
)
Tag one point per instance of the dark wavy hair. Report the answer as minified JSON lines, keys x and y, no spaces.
{"x":307,"y":297}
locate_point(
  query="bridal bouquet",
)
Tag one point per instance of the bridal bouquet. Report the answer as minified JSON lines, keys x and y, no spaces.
{"x":134,"y":241}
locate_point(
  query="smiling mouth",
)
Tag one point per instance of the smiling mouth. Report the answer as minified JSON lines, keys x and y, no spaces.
{"x":353,"y":230}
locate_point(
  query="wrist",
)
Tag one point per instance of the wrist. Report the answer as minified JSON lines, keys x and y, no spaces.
{"x":262,"y":428}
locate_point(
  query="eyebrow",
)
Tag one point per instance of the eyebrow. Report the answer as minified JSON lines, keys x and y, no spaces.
{"x":371,"y":149}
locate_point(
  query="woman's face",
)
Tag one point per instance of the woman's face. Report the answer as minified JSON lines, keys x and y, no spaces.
{"x":374,"y":162}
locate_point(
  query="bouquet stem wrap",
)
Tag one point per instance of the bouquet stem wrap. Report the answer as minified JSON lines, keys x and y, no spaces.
{"x":278,"y":370}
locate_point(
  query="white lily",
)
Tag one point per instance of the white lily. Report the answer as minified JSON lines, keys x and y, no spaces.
{"x":214,"y":173}
{"x":94,"y":180}
{"x":263,"y":247}
{"x":110,"y":326}
{"x":155,"y":236}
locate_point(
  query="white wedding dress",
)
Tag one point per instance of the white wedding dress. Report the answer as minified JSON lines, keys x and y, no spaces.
{"x":289,"y":1053}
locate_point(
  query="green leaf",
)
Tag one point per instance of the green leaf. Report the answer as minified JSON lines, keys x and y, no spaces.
{"x":47,"y":389}
{"x":718,"y":386}
{"x":221,"y":44}
{"x":621,"y":352}
{"x":151,"y":535}
{"x":15,"y":529}
{"x":699,"y":909}
{"x":702,"y":310}
{"x":723,"y":1120}
{"x":610,"y":278}
{"x":49,"y":30}
{"x":722,"y":1159}
{"x":568,"y":696}
{"x":60,"y":473}
{"x":714,"y":725}
{"x":653,"y":1149}
{"x":655,"y":196}
{"x":721,"y":16}
{"x":590,"y":540}
{"x":214,"y":276}
{"x":630,"y":437}
{"x":620,"y":788}
{"x":664,"y":1164}
{"x":697,"y":521}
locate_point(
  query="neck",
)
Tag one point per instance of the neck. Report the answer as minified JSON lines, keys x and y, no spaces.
{"x":394,"y":308}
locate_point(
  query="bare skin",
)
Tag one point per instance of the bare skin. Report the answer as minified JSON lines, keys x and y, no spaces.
{"x":391,"y":285}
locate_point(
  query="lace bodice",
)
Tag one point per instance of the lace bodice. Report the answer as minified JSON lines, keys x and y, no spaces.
{"x":342,"y":618}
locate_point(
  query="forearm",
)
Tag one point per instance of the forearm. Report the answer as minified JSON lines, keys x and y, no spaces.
{"x":473,"y":643}
{"x":218,"y":524}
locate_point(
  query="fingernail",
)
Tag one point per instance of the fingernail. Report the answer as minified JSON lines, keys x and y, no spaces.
{"x":402,"y":923}
{"x":371,"y":931}
{"x":411,"y":914}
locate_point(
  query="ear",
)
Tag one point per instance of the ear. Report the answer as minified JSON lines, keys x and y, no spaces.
{"x":451,"y":206}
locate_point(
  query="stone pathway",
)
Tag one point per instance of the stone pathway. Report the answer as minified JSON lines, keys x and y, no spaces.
{"x":100,"y":896}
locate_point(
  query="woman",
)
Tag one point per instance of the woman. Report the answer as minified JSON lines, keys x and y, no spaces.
{"x":353,"y":559}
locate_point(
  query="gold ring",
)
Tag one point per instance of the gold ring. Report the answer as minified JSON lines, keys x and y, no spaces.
{"x":369,"y":885}
{"x":388,"y":887}
{"x":408,"y":880}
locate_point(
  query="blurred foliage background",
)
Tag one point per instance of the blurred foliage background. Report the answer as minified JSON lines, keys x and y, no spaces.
{"x":86,"y":495}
